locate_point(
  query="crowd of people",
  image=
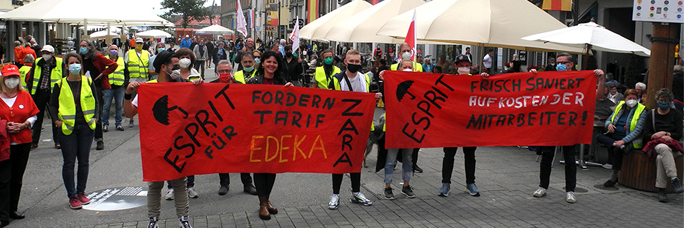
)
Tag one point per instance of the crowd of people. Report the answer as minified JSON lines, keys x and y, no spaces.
{"x":79,"y":89}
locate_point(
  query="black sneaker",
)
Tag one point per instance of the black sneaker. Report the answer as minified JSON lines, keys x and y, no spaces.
{"x":250,"y":189}
{"x":105,"y":128}
{"x":184,"y":223}
{"x":662,"y":195}
{"x":408,"y":191}
{"x":223,"y":190}
{"x":609,"y":183}
{"x":153,"y":223}
{"x":100,"y":145}
{"x":389,"y":194}
{"x":417,"y":169}
{"x":677,"y":185}
{"x":119,"y":128}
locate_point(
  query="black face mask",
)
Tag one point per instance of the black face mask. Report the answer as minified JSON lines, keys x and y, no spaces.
{"x":353,"y":67}
{"x":289,"y":54}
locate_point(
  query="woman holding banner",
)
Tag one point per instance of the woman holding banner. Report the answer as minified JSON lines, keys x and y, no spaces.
{"x":270,"y":72}
{"x":73,"y":108}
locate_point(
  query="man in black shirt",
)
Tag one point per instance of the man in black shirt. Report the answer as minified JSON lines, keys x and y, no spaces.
{"x":294,"y":66}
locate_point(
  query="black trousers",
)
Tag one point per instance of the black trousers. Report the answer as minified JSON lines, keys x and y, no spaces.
{"x":414,"y":157}
{"x":42,"y":99}
{"x":19,"y":155}
{"x":199,"y":66}
{"x":614,"y":153}
{"x":263,"y":182}
{"x":448,"y":163}
{"x":99,"y":95}
{"x":244,"y":177}
{"x":570,"y":167}
{"x":5,"y":176}
{"x":355,"y":182}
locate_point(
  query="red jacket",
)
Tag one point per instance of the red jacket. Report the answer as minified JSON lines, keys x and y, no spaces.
{"x":4,"y":141}
{"x":23,"y":108}
{"x":106,"y":67}
{"x":673,"y":144}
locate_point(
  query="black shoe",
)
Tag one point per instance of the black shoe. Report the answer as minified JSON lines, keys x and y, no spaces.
{"x":34,"y":146}
{"x":16,"y":215}
{"x":100,"y":145}
{"x":610,"y":183}
{"x":250,"y":189}
{"x":408,"y":191}
{"x":119,"y":128}
{"x":677,"y":185}
{"x":662,"y":195}
{"x":105,"y":128}
{"x":417,"y":169}
{"x":388,"y":193}
{"x":223,"y":190}
{"x":3,"y":223}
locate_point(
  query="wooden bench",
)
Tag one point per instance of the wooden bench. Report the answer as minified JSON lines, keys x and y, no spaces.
{"x":639,"y":171}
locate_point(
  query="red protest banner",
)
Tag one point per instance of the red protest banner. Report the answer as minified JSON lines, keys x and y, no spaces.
{"x":227,"y":128}
{"x":544,"y":109}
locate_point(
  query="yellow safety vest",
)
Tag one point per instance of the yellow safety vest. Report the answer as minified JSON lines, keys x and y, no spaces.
{"x":336,"y":84}
{"x":416,"y":67}
{"x":637,"y":142}
{"x":322,"y":79}
{"x":240,"y":76}
{"x":137,"y":66}
{"x":24,"y":70}
{"x":117,"y":77}
{"x":55,"y":75}
{"x":67,"y":107}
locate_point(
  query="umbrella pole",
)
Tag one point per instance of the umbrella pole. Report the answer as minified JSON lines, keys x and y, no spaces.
{"x":586,"y":58}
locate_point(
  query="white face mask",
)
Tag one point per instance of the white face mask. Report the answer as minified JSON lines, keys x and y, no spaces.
{"x":463,"y":70}
{"x":631,"y":103}
{"x":184,"y":63}
{"x":12,"y":82}
{"x":175,"y":75}
{"x":406,"y":56}
{"x":408,"y":70}
{"x":47,"y":57}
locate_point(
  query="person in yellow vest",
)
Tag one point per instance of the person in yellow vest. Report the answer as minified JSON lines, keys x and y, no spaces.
{"x":164,"y":65}
{"x":73,"y":109}
{"x":324,"y":73}
{"x":137,"y":62}
{"x":350,"y":80}
{"x":116,"y":80}
{"x":247,"y":72}
{"x":405,"y":53}
{"x":44,"y":74}
{"x":26,"y":69}
{"x":624,"y":126}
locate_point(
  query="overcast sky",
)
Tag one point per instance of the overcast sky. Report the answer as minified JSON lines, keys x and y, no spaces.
{"x":155,"y":5}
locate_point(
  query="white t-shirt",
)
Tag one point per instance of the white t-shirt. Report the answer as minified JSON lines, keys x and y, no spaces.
{"x":358,"y":83}
{"x":487,"y":61}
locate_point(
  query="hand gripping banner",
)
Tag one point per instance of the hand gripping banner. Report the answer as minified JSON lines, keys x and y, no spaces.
{"x":521,"y":109}
{"x":226,"y":128}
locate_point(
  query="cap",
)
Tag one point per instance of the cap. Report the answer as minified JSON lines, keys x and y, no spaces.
{"x":460,"y":58}
{"x":187,"y":36}
{"x":161,"y":58}
{"x":48,"y":48}
{"x":9,"y":70}
{"x":139,"y":40}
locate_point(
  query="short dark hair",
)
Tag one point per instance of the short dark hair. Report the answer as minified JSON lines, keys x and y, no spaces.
{"x":567,"y":56}
{"x":187,"y":51}
{"x":490,"y":50}
{"x":288,"y":48}
{"x":326,"y":51}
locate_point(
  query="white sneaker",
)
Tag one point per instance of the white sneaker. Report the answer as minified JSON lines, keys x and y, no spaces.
{"x":607,"y":166}
{"x":334,"y":202}
{"x":570,"y":197}
{"x":541,"y":192}
{"x":192,"y":193}
{"x":169,"y":195}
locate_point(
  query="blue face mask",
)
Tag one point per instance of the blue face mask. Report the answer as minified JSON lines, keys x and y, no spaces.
{"x":257,"y":61}
{"x":75,"y":68}
{"x":248,"y":69}
{"x":159,"y":50}
{"x":663,"y":105}
{"x":561,"y":67}
{"x":84,"y":50}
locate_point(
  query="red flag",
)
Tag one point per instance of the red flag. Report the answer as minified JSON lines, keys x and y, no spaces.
{"x":411,"y":36}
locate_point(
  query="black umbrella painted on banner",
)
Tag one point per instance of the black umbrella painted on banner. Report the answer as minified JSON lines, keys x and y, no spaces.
{"x":161,"y":110}
{"x":402,"y":90}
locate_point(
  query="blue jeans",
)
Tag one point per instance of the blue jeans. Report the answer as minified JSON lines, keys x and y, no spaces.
{"x":407,"y":164}
{"x":76,"y":145}
{"x":118,"y":95}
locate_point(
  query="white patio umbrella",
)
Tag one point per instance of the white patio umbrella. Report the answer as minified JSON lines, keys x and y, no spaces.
{"x":215,"y":30}
{"x":363,"y":26}
{"x":496,"y":23}
{"x":591,"y":35}
{"x":153,"y":34}
{"x":103,"y":34}
{"x":317,"y":29}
